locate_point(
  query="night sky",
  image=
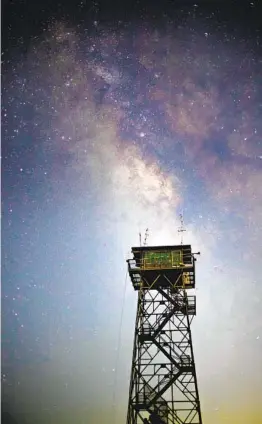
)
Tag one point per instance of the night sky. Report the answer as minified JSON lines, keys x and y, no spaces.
{"x":115,"y":120}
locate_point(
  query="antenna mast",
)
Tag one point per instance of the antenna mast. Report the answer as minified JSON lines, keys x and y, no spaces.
{"x":146,"y":237}
{"x":181,"y":229}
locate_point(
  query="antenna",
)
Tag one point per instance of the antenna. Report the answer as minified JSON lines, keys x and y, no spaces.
{"x":140,"y":241}
{"x":181,"y":229}
{"x":146,"y":237}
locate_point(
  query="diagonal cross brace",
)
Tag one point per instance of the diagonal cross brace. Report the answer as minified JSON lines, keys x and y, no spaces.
{"x":171,"y":359}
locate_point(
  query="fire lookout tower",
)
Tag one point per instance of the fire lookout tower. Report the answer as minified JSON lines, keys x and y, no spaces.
{"x":163,"y":385}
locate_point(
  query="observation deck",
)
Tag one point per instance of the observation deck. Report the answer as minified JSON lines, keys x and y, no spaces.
{"x":154,"y":267}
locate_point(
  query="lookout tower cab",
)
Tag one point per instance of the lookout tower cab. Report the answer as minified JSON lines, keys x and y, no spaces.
{"x":162,"y":267}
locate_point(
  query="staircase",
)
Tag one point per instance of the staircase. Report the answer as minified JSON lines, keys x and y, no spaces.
{"x":147,"y":394}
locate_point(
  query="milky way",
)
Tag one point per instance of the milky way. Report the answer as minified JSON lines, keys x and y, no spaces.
{"x":194,"y":94}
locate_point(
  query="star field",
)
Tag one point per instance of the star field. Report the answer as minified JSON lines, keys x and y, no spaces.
{"x":111,"y":125}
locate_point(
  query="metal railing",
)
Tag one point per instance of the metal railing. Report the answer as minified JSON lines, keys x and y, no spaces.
{"x":145,"y":264}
